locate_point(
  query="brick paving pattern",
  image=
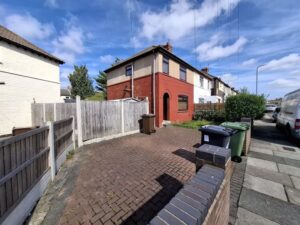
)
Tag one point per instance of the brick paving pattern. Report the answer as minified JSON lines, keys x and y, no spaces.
{"x":128,"y":180}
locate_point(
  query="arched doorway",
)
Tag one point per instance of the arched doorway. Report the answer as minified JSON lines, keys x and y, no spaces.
{"x":166,"y":106}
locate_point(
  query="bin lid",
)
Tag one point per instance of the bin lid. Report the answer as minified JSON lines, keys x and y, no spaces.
{"x":148,"y":115}
{"x":236,"y":125}
{"x":213,"y":129}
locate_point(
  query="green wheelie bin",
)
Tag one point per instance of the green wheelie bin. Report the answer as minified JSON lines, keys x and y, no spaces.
{"x":237,"y":140}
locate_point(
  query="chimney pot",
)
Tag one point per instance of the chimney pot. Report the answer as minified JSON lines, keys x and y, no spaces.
{"x":168,"y":47}
{"x":205,"y":69}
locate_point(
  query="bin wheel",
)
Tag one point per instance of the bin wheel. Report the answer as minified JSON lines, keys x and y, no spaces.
{"x":236,"y":158}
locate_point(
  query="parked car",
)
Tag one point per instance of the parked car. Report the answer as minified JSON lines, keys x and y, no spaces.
{"x":270,"y":108}
{"x":275,"y":114}
{"x":289,"y":115}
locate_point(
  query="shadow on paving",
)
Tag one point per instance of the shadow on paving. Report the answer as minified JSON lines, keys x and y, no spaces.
{"x":188,"y":155}
{"x":144,"y":214}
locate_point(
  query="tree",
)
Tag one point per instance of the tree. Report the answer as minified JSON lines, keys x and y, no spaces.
{"x":101,"y":83}
{"x":244,"y":90}
{"x":81,"y":84}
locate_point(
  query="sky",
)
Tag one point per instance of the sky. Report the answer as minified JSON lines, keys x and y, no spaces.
{"x":231,"y":37}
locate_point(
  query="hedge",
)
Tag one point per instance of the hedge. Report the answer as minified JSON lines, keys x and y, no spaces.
{"x":244,"y":105}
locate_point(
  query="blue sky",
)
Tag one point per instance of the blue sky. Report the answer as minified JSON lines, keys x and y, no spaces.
{"x":232,"y":37}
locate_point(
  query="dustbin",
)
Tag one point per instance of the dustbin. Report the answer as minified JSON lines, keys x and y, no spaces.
{"x":216,"y":135}
{"x":148,"y":123}
{"x":237,"y":140}
{"x":247,"y":141}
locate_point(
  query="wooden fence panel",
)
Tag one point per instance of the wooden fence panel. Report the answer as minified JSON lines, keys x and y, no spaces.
{"x":23,"y":160}
{"x":63,"y":131}
{"x":37,"y":114}
{"x":49,"y":112}
{"x":100,"y":119}
{"x":132,"y":114}
{"x":210,"y":106}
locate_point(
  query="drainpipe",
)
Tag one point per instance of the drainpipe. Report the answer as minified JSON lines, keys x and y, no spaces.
{"x":132,"y":85}
{"x":153,"y":80}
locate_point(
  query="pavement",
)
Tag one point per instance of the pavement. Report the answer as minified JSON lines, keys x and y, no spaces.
{"x":126,"y":180}
{"x":270,"y":193}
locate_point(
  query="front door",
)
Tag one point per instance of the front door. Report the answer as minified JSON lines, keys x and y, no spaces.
{"x":166,"y":104}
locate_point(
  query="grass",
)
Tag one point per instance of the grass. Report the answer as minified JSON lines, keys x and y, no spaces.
{"x":70,"y":154}
{"x":194,"y":124}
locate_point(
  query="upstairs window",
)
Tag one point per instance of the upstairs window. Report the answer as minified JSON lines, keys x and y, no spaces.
{"x":165,"y":65}
{"x":182,"y":73}
{"x":201,"y":82}
{"x":128,"y":70}
{"x":183,"y":103}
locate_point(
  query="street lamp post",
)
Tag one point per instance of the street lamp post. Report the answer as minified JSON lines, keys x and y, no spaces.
{"x":257,"y":77}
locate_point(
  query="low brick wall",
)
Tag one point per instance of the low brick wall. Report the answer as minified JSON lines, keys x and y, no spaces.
{"x":205,"y":199}
{"x":218,"y":213}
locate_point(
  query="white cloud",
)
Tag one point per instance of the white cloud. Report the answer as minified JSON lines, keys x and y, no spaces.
{"x":249,"y":62}
{"x":214,"y":48}
{"x":28,"y":26}
{"x":107,"y":59}
{"x":284,"y":83}
{"x":181,"y":17}
{"x":135,"y":42}
{"x":289,"y":62}
{"x":229,"y":78}
{"x":51,"y":3}
{"x":70,"y":42}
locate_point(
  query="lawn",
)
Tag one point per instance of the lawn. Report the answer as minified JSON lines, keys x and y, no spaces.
{"x":194,"y":124}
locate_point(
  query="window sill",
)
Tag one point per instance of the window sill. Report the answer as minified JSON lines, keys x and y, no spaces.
{"x":185,"y":111}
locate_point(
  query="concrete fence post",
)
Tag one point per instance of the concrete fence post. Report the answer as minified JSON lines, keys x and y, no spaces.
{"x":122,"y":117}
{"x":44,"y":113}
{"x":79,"y":122}
{"x":54,"y":112}
{"x":73,"y":132}
{"x":147,"y":105}
{"x":52,"y":161}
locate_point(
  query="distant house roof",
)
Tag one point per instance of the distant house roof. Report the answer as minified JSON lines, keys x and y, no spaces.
{"x":14,"y":39}
{"x":153,"y":49}
{"x":65,"y":92}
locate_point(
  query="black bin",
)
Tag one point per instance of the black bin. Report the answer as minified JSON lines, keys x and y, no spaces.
{"x":148,"y":121}
{"x":216,"y":135}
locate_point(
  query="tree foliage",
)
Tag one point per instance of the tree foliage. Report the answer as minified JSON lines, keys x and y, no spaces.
{"x":244,"y":105}
{"x":101,"y":83}
{"x":80,"y":82}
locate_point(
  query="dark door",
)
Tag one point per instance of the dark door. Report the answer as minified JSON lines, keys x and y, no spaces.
{"x":166,"y":106}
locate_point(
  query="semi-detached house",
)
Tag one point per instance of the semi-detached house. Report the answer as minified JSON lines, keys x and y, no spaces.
{"x":164,"y":78}
{"x":28,"y":74}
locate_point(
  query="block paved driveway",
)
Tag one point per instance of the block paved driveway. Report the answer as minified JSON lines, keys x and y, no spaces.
{"x":125,"y":180}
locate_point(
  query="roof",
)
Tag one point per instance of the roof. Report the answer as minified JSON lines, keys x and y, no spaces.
{"x":14,"y":39}
{"x":150,"y":50}
{"x":65,"y":92}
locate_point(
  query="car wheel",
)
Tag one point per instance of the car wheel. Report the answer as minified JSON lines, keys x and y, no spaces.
{"x":288,"y":131}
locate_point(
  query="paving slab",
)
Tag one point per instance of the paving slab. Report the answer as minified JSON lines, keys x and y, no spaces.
{"x":270,"y":175}
{"x":287,"y":155}
{"x":246,"y":217}
{"x":274,"y":158}
{"x":264,"y":186}
{"x":291,"y":170}
{"x":294,"y":195}
{"x":263,"y":164}
{"x":296,"y":182}
{"x":261,"y":150}
{"x":265,"y":145}
{"x":270,"y":208}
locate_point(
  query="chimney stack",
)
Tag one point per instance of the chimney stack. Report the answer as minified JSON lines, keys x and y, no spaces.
{"x":205,"y":69}
{"x":168,"y":47}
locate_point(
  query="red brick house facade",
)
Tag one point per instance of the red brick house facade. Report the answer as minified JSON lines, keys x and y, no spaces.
{"x":171,"y":98}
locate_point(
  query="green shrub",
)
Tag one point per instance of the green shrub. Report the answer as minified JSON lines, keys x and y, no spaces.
{"x":244,"y":105}
{"x":210,"y":115}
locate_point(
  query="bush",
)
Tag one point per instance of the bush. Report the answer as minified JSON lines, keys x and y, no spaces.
{"x":210,"y":115}
{"x":244,"y":105}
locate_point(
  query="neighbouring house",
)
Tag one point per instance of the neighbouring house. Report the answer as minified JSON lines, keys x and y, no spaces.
{"x":65,"y":95}
{"x":28,"y":74}
{"x":219,"y":90}
{"x":202,"y":87}
{"x":160,"y":75}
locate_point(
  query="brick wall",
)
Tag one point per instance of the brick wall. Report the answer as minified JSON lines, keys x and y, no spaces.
{"x":174,"y":87}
